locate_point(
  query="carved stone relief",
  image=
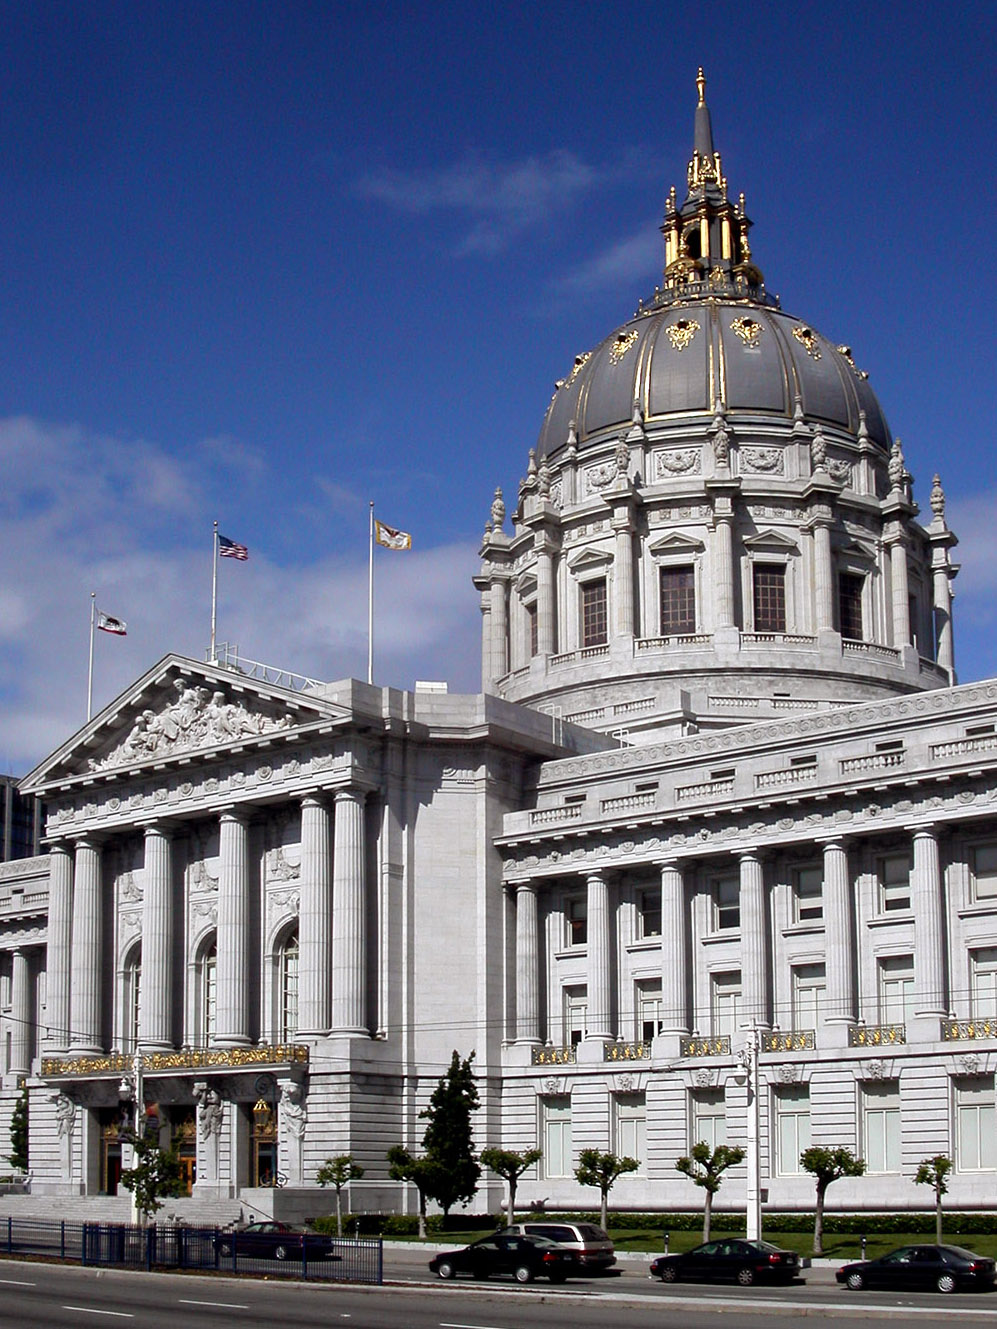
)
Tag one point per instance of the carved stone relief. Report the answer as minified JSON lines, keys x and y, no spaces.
{"x":678,"y":461}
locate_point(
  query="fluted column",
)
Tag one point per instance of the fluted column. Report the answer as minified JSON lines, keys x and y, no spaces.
{"x":85,"y":966}
{"x":546,"y":635}
{"x":58,"y":951}
{"x":838,"y":945}
{"x":349,"y":969}
{"x":901,"y":593}
{"x":754,"y":942}
{"x":499,"y":629}
{"x":942,"y":597}
{"x":156,"y":1007}
{"x":724,"y":572}
{"x":623,"y":577}
{"x":674,"y":994}
{"x":823,"y":578}
{"x":315,"y":919}
{"x":527,"y":965}
{"x":929,"y":926}
{"x":232,"y":1000}
{"x":599,"y":1024}
{"x":486,"y":644}
{"x":20,"y":1013}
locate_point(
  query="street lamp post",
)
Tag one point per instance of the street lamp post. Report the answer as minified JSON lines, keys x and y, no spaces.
{"x":748,"y":1059}
{"x":131,"y":1091}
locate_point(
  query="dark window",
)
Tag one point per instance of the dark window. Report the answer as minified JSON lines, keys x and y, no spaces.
{"x":678,"y":601}
{"x":594,"y":613}
{"x":770,"y":598}
{"x":850,"y":605}
{"x":531,"y":620}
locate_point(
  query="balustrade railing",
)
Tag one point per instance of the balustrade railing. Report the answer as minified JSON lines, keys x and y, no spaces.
{"x":717,"y":1046}
{"x":553,"y":1056}
{"x":876,"y":1035}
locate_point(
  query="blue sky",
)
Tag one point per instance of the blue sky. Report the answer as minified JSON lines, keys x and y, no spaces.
{"x":267,"y":261}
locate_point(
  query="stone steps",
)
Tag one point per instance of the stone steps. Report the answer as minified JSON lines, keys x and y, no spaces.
{"x":117,"y":1209}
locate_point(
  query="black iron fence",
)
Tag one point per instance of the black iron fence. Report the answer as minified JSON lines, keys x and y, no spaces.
{"x":179,"y":1246}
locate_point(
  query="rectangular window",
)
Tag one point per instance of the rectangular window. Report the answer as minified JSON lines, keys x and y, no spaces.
{"x":556,"y":1136}
{"x":808,"y":894}
{"x":709,"y":1117}
{"x":576,"y":915}
{"x":631,"y":1128}
{"x":678,"y":601}
{"x":850,"y":605}
{"x":648,"y":1006}
{"x":976,"y":1145}
{"x":594,"y":616}
{"x":983,"y":972}
{"x":725,"y":1002}
{"x":575,"y":1015}
{"x":983,"y":860}
{"x":209,"y":985}
{"x":770,"y":598}
{"x":726,"y":897}
{"x":896,"y":989}
{"x":649,"y":912}
{"x":792,"y":1120}
{"x":881,"y":1126}
{"x":893,"y":874}
{"x":809,"y":988}
{"x":532,"y":634}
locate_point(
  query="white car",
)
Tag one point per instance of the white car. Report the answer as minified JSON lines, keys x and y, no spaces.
{"x":593,"y":1247}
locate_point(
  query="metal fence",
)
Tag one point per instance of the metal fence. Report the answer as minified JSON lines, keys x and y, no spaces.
{"x":178,"y":1246}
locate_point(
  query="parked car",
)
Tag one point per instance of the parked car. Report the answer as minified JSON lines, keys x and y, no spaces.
{"x":268,"y":1240}
{"x":525,"y":1257}
{"x":592,"y":1246}
{"x":743,"y":1261}
{"x":942,"y":1267}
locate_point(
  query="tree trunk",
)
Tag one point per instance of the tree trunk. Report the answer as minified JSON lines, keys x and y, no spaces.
{"x":819,"y":1222}
{"x":511,"y":1215}
{"x":707,"y":1214}
{"x":938,"y":1218}
{"x":605,"y":1201}
{"x":339,"y":1212}
{"x":422,"y":1215}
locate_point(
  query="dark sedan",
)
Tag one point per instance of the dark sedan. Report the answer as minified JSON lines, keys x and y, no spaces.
{"x":275,"y":1241}
{"x":525,"y":1258}
{"x":734,"y":1258}
{"x":942,"y":1267}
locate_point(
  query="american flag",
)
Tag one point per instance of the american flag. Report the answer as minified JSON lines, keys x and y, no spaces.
{"x":229,"y":549}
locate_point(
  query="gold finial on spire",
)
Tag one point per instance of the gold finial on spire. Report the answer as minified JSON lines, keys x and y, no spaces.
{"x":701,"y":85}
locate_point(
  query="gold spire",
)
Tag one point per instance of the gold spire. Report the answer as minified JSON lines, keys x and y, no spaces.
{"x":701,"y":85}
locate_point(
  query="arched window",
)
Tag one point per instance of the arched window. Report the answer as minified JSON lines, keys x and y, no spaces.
{"x":131,"y":1000}
{"x":287,"y":989}
{"x":207,"y":984}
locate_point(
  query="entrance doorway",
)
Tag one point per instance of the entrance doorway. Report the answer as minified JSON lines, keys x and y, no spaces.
{"x":263,"y":1144}
{"x":183,"y":1138}
{"x":110,"y":1151}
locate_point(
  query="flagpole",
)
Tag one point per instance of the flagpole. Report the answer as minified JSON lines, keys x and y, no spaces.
{"x":370,"y":600}
{"x":93,"y":618}
{"x":214,"y":593}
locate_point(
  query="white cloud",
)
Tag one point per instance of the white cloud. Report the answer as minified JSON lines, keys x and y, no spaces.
{"x":131,"y":521}
{"x":972,"y":519}
{"x":633,"y":259}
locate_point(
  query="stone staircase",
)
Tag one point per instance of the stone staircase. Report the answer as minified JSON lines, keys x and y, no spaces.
{"x":117,"y":1209}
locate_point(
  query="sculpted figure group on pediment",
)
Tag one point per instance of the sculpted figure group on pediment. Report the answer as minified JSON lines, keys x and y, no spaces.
{"x":197,"y":718}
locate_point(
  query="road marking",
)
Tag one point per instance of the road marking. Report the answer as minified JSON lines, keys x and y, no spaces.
{"x":89,"y":1310}
{"x":223,"y":1305}
{"x":445,"y":1325}
{"x":15,"y":1282}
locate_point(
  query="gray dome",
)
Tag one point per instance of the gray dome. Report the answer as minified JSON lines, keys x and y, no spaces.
{"x":684,"y":358}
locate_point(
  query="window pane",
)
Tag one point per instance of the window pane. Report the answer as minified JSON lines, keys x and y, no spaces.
{"x":594,"y":620}
{"x":984,"y":994}
{"x":649,"y":905}
{"x":709,"y":1117}
{"x":850,"y":605}
{"x":808,"y":894}
{"x":881,"y":1109}
{"x":893,"y":872}
{"x":984,"y":861}
{"x":726,"y":1000}
{"x":557,"y":1137}
{"x":576,"y":912}
{"x":809,"y":987}
{"x":726,"y":892}
{"x":678,"y":601}
{"x":770,"y":598}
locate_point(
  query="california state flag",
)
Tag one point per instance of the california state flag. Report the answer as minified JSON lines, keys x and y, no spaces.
{"x":390,"y":538}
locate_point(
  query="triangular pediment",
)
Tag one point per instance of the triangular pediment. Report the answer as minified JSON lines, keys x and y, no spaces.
{"x":676,"y":542}
{"x":181,"y":707}
{"x":589,"y":558}
{"x":857,"y":550}
{"x":772,"y":540}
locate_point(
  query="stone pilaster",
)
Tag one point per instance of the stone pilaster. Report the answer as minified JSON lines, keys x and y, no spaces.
{"x":754,"y":943}
{"x":315,"y":919}
{"x":87,"y":934}
{"x":599,"y":1003}
{"x":527,"y":965}
{"x":674,"y":970}
{"x":156,"y":1008}
{"x":232,"y":1001}
{"x":349,"y":901}
{"x":930,"y":997}
{"x":58,"y":956}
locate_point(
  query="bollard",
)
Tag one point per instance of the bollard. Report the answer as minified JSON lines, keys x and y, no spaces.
{"x":863,"y":1245}
{"x":667,"y":1239}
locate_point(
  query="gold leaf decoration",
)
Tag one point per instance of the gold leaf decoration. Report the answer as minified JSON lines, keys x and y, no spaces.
{"x":808,"y":340}
{"x":681,"y":333}
{"x":749,"y":330}
{"x":622,"y":344}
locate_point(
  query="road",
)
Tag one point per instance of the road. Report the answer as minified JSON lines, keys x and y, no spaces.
{"x":69,"y":1297}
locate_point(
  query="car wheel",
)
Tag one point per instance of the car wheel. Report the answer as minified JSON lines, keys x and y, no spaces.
{"x":669,"y":1274}
{"x":445,"y":1269}
{"x":225,"y":1248}
{"x":280,"y":1252}
{"x":856,"y":1281}
{"x":745,"y":1277}
{"x":524,"y":1274}
{"x":945,"y":1283}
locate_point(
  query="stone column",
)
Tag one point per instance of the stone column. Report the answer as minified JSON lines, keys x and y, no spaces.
{"x":349,"y":969}
{"x":156,"y":1008}
{"x":754,"y":943}
{"x":87,"y":930}
{"x":823,"y":577}
{"x":58,"y":952}
{"x":499,"y":629}
{"x":674,"y":926}
{"x":315,"y":918}
{"x":839,"y":948}
{"x":901,"y":593}
{"x":623,"y":576}
{"x":929,"y":926}
{"x":724,"y":572}
{"x":598,"y":992}
{"x":942,"y":597}
{"x":486,"y":645}
{"x":527,"y":965}
{"x":546,"y":633}
{"x":233,"y":977}
{"x":20,"y":1014}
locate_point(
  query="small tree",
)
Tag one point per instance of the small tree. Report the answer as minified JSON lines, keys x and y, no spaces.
{"x":18,"y":1156}
{"x":828,"y":1165}
{"x":155,"y":1175}
{"x":706,"y":1166}
{"x":338,"y":1172}
{"x":449,"y":1139}
{"x":510,"y":1166}
{"x":602,"y":1170}
{"x":422,"y":1173}
{"x":933,"y":1172}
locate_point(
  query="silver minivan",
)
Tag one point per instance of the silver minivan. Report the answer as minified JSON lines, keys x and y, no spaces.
{"x":594,"y":1249}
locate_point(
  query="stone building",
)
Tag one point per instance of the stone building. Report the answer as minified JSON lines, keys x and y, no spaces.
{"x":720,"y":787}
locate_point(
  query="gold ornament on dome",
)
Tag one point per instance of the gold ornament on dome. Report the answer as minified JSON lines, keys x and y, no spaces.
{"x":576,"y":368}
{"x":808,"y":340}
{"x":749,"y":330}
{"x":621,"y":345}
{"x":680,"y":334}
